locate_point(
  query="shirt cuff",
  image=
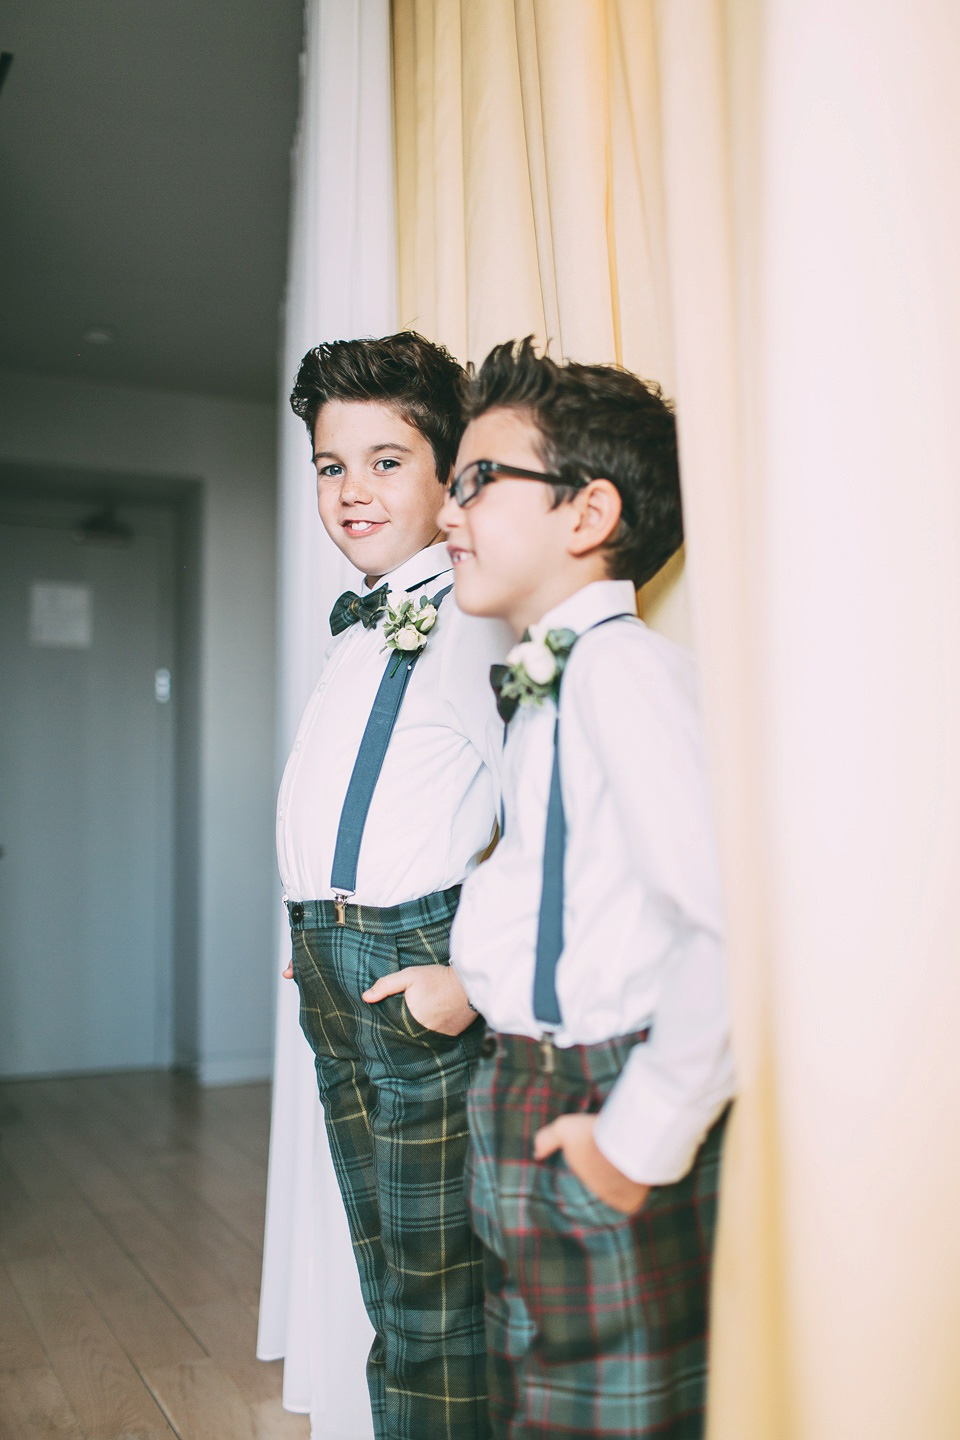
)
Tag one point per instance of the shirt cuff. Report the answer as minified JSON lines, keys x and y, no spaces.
{"x":649,"y":1139}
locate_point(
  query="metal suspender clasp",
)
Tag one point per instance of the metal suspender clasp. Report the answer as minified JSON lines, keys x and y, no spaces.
{"x":546,"y":1052}
{"x":340,"y":898}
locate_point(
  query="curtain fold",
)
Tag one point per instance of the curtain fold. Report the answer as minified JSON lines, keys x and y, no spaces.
{"x":756,"y":201}
{"x":341,"y":283}
{"x":711,"y":86}
{"x":859,"y":444}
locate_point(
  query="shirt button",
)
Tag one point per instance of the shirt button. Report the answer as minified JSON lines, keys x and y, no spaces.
{"x":279,"y":814}
{"x":298,"y":744}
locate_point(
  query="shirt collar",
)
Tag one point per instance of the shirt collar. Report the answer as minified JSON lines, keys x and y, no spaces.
{"x":427,"y":564}
{"x":597,"y":601}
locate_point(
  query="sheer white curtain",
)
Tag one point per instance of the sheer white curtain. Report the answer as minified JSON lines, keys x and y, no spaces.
{"x":341,"y":283}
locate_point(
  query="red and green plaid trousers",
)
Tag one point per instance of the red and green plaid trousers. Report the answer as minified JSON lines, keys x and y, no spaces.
{"x":394,"y":1099}
{"x":596,"y":1321}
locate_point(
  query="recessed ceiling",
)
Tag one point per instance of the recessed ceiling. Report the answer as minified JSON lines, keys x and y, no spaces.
{"x":145,"y":171}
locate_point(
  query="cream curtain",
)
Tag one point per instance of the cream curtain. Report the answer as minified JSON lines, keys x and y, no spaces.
{"x":341,"y":283}
{"x":757,"y":202}
{"x":529,"y":185}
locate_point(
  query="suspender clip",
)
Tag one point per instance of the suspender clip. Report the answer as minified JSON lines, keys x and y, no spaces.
{"x":546,"y":1052}
{"x":340,"y":898}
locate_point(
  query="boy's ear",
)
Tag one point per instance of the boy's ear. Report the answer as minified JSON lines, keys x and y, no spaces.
{"x":598,"y":510}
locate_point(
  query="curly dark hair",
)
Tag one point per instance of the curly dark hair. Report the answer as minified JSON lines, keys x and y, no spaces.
{"x":422,"y":381}
{"x":595,"y":421}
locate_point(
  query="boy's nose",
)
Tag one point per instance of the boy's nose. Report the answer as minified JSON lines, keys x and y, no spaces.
{"x":353,"y":491}
{"x":449,"y":517}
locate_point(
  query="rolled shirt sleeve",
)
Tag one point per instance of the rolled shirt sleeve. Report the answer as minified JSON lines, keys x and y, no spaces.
{"x":644,"y":722}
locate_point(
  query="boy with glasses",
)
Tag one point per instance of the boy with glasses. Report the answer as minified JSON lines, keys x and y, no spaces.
{"x":592,"y":939}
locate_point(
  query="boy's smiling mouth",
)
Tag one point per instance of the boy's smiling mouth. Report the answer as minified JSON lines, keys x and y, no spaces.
{"x":356,"y":529}
{"x":458,"y":554}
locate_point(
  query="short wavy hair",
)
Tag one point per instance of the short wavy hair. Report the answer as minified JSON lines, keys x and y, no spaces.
{"x":595,"y":421}
{"x":422,"y":382}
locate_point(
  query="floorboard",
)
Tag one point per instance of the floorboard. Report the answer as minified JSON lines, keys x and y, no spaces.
{"x":34,"y":1407}
{"x":131,"y":1224}
{"x":20,"y":1347}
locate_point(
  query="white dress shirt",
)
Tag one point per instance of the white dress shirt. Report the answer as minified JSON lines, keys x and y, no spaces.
{"x":643,"y":924}
{"x":436,"y":799}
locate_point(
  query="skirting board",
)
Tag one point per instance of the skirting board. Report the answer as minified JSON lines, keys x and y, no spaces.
{"x":235,"y":1069}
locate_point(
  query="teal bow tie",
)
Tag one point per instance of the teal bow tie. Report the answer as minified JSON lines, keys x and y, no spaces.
{"x":506,"y":704}
{"x":352,"y":607}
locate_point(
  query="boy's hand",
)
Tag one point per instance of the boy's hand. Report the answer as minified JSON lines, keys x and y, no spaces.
{"x":573,"y":1134}
{"x":435,"y":997}
{"x":288,"y":973}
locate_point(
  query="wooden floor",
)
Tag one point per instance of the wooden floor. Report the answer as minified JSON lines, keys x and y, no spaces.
{"x":131,"y":1224}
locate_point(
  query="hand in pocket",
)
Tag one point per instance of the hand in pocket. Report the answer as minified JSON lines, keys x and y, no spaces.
{"x":435,"y":997}
{"x":573,"y":1134}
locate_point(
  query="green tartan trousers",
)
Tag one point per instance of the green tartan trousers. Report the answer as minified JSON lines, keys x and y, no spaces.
{"x":394,"y":1100}
{"x":596,"y":1321}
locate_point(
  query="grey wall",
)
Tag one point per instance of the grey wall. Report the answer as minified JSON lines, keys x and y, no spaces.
{"x":229,"y":446}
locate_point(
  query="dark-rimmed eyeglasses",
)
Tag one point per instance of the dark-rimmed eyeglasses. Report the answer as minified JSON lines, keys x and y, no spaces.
{"x":466,"y":486}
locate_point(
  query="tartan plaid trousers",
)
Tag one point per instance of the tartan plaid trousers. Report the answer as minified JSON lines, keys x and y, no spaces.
{"x":394,"y":1099}
{"x":596,"y":1321}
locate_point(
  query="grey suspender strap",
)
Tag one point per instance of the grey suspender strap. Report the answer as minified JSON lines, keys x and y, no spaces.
{"x":367,"y":767}
{"x":546,"y":1005}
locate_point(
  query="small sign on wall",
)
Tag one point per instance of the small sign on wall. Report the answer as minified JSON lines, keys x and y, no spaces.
{"x":61,"y":615}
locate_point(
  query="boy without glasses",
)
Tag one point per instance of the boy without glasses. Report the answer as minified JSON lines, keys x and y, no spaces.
{"x":389,"y":795}
{"x":592,"y":939}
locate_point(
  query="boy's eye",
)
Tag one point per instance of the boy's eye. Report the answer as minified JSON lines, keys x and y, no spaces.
{"x":386,"y":463}
{"x":329,"y":472}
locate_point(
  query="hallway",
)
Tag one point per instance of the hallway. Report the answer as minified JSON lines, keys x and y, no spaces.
{"x":131,"y":1225}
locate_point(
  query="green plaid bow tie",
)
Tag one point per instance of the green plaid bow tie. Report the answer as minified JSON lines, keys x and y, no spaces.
{"x":352,"y":607}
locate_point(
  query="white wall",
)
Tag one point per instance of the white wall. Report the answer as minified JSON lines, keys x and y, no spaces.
{"x":229,"y":446}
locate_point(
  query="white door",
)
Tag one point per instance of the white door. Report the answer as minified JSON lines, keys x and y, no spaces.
{"x":86,"y":788}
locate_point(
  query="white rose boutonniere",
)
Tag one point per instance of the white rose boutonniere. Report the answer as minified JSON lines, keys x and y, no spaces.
{"x":533,"y":669}
{"x":536,"y":658}
{"x":408,"y":637}
{"x":407,"y":624}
